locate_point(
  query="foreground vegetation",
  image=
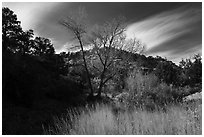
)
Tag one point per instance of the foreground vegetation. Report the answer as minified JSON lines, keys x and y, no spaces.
{"x":106,"y":120}
{"x":148,"y":107}
{"x":38,"y":84}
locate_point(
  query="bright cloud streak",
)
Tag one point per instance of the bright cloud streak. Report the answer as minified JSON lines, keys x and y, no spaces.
{"x":165,"y":27}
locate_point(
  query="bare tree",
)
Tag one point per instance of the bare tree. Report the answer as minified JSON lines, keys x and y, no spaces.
{"x":108,"y":40}
{"x":76,"y":23}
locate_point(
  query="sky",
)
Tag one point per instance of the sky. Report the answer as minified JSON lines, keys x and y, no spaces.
{"x":171,"y":30}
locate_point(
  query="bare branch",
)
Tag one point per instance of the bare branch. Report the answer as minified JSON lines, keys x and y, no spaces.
{"x":96,"y":68}
{"x":109,"y":78}
{"x":77,"y":25}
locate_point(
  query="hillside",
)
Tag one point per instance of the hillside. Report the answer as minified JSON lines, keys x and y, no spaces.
{"x":38,"y":84}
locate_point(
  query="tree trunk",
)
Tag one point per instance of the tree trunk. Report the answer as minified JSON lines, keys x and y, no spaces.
{"x":101,"y":81}
{"x":86,"y":68}
{"x":100,"y":88}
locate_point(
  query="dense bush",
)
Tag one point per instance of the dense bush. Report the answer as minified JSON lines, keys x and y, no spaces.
{"x":192,"y":71}
{"x":168,"y":72}
{"x":148,"y":92}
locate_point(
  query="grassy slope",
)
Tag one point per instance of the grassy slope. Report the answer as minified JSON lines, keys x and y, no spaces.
{"x":181,"y":119}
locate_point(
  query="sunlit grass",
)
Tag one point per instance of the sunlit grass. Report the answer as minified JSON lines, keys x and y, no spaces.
{"x":104,"y":120}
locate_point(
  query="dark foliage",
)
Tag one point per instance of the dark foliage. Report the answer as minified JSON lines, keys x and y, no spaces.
{"x":32,"y":73}
{"x":168,"y":72}
{"x":192,"y":71}
{"x":38,"y":83}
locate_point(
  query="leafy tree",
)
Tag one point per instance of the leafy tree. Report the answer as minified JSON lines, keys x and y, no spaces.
{"x":192,"y":70}
{"x":61,"y":63}
{"x":42,"y":47}
{"x":20,"y":69}
{"x":167,"y":72}
{"x":14,"y":39}
{"x":25,"y":42}
{"x":10,"y":29}
{"x":197,"y":69}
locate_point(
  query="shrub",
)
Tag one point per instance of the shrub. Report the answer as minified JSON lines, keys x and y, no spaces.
{"x":146,"y":91}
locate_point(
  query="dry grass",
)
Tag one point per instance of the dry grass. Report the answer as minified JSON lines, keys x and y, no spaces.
{"x":101,"y":119}
{"x":104,"y":120}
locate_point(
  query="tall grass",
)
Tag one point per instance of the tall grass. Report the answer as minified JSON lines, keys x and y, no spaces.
{"x":104,"y":120}
{"x":165,"y":117}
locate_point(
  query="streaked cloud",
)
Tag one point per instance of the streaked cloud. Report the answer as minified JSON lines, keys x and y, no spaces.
{"x":171,"y":32}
